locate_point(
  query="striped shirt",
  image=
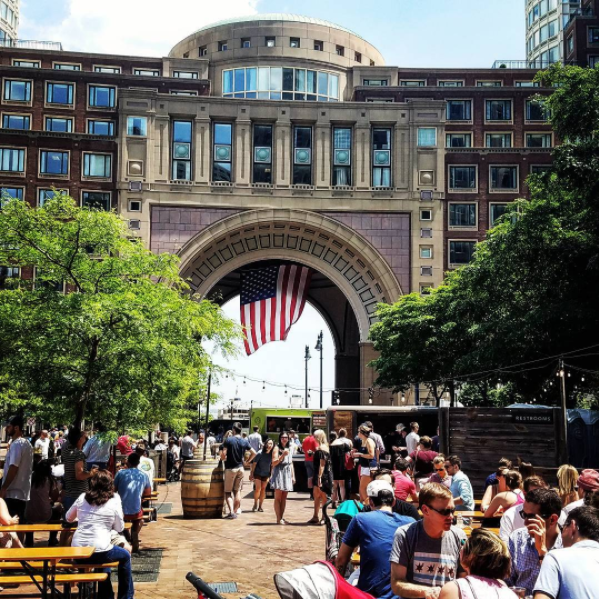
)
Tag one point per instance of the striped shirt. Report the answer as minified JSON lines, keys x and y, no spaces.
{"x":70,"y":456}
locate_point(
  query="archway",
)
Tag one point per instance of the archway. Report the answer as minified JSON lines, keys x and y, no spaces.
{"x":360,"y":277}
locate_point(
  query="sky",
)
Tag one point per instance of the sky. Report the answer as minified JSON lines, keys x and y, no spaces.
{"x":408,"y":33}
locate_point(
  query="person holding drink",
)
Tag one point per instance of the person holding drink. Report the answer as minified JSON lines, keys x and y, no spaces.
{"x":367,"y":459}
{"x":283,"y":475}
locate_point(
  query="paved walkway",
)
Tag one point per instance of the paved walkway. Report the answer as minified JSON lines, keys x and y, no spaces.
{"x":248,"y":550}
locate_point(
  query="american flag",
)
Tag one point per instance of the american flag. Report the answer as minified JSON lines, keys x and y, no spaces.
{"x":272,"y":299}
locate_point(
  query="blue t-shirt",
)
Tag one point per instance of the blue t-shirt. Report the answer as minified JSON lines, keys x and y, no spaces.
{"x":374,"y":532}
{"x":130,"y":484}
{"x":236,"y":447}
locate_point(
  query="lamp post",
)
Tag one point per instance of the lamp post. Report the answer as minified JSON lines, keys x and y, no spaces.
{"x":307,"y":356}
{"x":319,"y":348}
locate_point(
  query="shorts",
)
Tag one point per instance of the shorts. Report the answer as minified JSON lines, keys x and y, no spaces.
{"x":134,"y":517}
{"x":364,"y":471}
{"x":233,"y":479}
{"x":16,"y":507}
{"x":262,"y":478}
{"x":310,"y":473}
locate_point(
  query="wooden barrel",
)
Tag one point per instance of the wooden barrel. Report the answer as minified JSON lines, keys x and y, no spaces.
{"x":202,"y":489}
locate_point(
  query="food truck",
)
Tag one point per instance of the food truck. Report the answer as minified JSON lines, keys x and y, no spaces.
{"x":272,"y":421}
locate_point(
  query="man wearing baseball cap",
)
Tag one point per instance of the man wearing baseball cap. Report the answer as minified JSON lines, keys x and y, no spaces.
{"x":588,"y":481}
{"x":373,"y":531}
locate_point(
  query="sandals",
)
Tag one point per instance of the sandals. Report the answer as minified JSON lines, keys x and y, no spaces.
{"x":260,"y":509}
{"x":313,"y":521}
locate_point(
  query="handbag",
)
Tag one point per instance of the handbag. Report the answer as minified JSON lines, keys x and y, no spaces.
{"x":349,"y":461}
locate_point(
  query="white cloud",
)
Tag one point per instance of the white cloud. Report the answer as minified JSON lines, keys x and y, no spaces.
{"x":133,"y":27}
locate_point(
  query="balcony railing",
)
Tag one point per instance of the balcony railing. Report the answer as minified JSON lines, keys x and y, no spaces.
{"x":579,"y":12}
{"x":521,"y":64}
{"x":30,"y":45}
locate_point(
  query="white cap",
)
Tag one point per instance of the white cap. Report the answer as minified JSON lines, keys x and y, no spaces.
{"x":372,"y":490}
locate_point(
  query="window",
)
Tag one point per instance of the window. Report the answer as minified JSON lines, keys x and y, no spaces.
{"x":593,"y":35}
{"x":459,"y":110}
{"x":28,"y":64}
{"x":12,"y":160}
{"x":450,"y":83}
{"x":462,"y":178}
{"x":16,"y":121}
{"x":342,"y":150}
{"x":185,"y":75}
{"x":181,"y":151}
{"x":294,"y":42}
{"x":426,"y":271}
{"x":53,"y":162}
{"x":498,"y":140}
{"x":276,"y":83}
{"x":97,"y":166}
{"x":340,"y":50}
{"x":504,"y":178}
{"x":10,"y":193}
{"x":376,"y":82}
{"x":61,"y":125}
{"x":60,"y":93}
{"x":262,"y":172}
{"x":498,"y":110}
{"x":488,"y":84}
{"x":535,"y":111}
{"x":526,"y":84}
{"x":426,"y":252}
{"x":357,"y":57}
{"x":9,"y":276}
{"x":181,"y":92}
{"x":538,"y":140}
{"x":66,"y":66}
{"x":412,"y":83}
{"x":146,"y":72}
{"x":427,"y":137}
{"x":134,"y":206}
{"x":593,"y":61}
{"x":462,"y":216}
{"x":16,"y":90}
{"x":425,"y":289}
{"x":203,"y":51}
{"x":426,"y":233}
{"x":100,"y":127}
{"x":43,"y":195}
{"x":302,"y":156}
{"x":426,"y":214}
{"x":137,"y":125}
{"x":98,"y":200}
{"x":270,"y":42}
{"x":570,"y":44}
{"x":318,"y":45}
{"x":461,"y":252}
{"x":496,"y":211}
{"x":246,"y":42}
{"x":107,"y":70}
{"x":381,"y":157}
{"x":222,"y":152}
{"x":458,"y":140}
{"x":102,"y":96}
{"x":539,"y":169}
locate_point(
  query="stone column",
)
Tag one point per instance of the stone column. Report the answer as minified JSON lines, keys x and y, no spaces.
{"x":201,"y":150}
{"x":322,"y":155}
{"x":361,"y":173}
{"x":282,"y":149}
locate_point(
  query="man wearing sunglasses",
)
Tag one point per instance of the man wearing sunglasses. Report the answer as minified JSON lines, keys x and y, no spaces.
{"x":426,"y":554}
{"x":528,"y":546}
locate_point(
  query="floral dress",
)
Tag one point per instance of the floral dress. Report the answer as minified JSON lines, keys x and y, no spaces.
{"x":282,"y":474}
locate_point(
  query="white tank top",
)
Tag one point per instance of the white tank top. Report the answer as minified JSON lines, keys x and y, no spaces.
{"x":476,"y":587}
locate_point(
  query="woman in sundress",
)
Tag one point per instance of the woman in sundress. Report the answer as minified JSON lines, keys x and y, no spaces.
{"x":283,"y":475}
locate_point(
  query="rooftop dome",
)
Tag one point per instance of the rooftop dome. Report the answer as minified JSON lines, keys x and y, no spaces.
{"x":277,"y":17}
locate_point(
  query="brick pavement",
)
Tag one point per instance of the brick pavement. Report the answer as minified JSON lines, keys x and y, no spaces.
{"x":248,"y":550}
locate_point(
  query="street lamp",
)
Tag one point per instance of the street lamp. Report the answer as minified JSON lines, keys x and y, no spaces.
{"x":307,"y":356}
{"x":319,"y":348}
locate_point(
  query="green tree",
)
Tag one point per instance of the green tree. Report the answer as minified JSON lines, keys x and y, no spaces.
{"x":531,"y":291}
{"x":122,"y":345}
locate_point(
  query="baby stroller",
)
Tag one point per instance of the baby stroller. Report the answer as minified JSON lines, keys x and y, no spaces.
{"x":337,"y":525}
{"x":316,"y":581}
{"x":173,"y":474}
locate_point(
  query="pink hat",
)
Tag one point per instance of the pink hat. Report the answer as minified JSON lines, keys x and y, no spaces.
{"x":589,"y":480}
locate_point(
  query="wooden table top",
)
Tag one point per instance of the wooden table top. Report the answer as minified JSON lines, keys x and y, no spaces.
{"x":43,"y":527}
{"x":46,"y":553}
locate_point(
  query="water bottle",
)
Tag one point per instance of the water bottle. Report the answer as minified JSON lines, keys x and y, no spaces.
{"x":459,"y":520}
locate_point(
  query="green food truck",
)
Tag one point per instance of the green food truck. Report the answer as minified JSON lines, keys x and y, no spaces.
{"x":272,"y":421}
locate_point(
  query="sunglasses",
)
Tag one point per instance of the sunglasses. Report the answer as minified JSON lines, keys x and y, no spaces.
{"x":439,"y":469}
{"x":448,"y":511}
{"x":525,"y":516}
{"x":284,"y":437}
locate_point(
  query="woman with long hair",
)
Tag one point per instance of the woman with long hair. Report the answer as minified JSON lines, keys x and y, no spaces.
{"x":367,"y":459}
{"x":99,"y":512}
{"x":506,"y":499}
{"x":323,"y":474}
{"x":43,"y":503}
{"x":260,"y":474}
{"x":340,"y":447}
{"x":567,"y":484}
{"x":283,"y":475}
{"x":486,"y":559}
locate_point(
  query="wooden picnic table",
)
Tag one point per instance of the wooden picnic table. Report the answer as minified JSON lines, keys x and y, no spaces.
{"x":42,"y":527}
{"x":477,"y":514}
{"x":44,"y":579}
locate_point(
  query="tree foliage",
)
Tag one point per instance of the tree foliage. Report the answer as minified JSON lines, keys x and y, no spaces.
{"x":122,"y":345}
{"x":530,"y":294}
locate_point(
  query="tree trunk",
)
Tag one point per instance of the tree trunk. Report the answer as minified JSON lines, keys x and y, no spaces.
{"x":89,"y":379}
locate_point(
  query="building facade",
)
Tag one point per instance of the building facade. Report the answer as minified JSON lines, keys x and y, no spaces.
{"x":280,"y":137}
{"x":581,"y":36}
{"x":9,"y":21}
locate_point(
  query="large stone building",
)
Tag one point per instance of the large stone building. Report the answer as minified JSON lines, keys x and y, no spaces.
{"x":9,"y":21}
{"x":280,"y":137}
